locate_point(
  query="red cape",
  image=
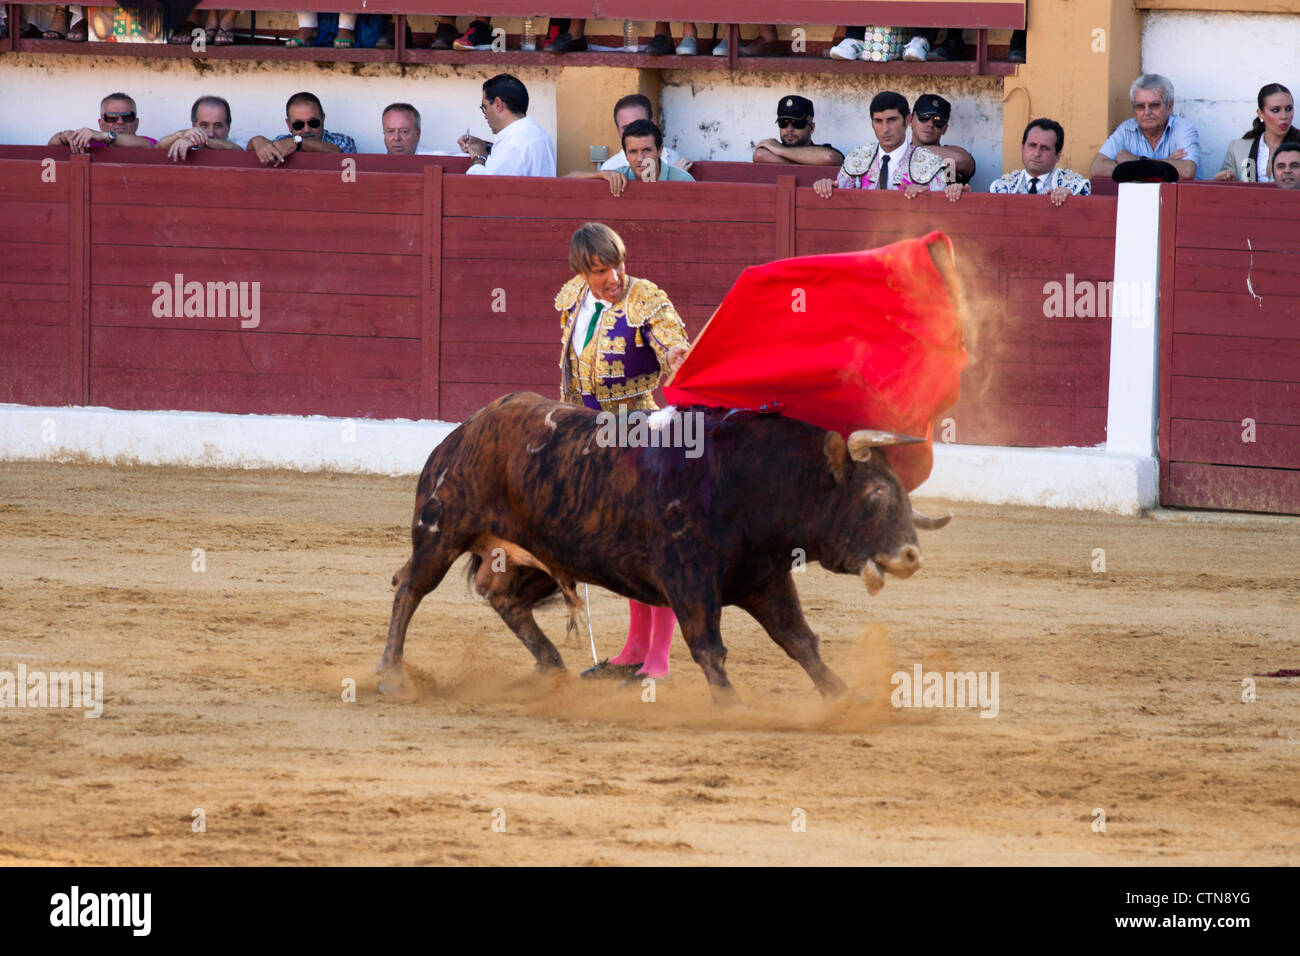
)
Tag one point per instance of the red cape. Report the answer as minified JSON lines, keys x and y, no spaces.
{"x":867,"y":339}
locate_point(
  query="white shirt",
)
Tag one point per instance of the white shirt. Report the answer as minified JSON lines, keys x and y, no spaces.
{"x":583,"y":319}
{"x":521,"y":149}
{"x":668,"y":156}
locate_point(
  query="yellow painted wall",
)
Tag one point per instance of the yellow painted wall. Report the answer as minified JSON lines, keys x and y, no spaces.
{"x":1075,"y":50}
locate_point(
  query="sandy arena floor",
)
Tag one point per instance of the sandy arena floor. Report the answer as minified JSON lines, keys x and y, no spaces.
{"x":1119,"y":690}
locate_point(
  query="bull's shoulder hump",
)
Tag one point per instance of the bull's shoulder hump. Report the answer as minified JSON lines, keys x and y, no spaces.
{"x":570,"y":293}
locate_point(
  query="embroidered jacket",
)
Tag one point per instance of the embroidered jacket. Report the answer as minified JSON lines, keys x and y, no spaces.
{"x":622,"y":364}
{"x":918,"y":167}
{"x":1018,"y":183}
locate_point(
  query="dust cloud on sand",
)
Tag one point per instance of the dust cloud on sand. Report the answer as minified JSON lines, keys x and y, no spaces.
{"x":226,"y":687}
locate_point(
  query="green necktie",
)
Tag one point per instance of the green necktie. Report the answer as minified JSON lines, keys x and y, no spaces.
{"x":592,"y":325}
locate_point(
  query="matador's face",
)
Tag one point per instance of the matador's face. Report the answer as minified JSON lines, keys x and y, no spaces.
{"x":606,"y":282}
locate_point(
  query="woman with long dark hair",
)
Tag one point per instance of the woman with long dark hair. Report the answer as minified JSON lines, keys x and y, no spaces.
{"x":1273,"y":126}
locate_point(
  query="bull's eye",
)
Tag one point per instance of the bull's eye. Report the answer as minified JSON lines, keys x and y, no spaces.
{"x":875,"y":492}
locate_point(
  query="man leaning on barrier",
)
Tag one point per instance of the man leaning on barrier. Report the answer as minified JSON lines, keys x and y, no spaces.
{"x":618,"y":336}
{"x":118,"y":122}
{"x":305,"y":117}
{"x":209,"y":129}
{"x":1040,"y":151}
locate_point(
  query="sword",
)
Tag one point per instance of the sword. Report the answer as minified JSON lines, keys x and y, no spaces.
{"x":586,"y":601}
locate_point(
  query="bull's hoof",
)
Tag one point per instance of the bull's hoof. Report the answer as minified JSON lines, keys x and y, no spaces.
{"x":392,"y":679}
{"x":726,"y":698}
{"x":607,"y":670}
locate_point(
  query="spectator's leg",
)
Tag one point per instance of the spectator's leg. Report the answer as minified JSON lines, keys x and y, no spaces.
{"x":851,"y":47}
{"x":478,"y":34}
{"x":306,"y":30}
{"x":445,"y":34}
{"x":952,"y":48}
{"x":918,"y":48}
{"x":76,"y":24}
{"x":347,"y":30}
{"x":690,"y":39}
{"x":1017,"y":52}
{"x":572,"y":37}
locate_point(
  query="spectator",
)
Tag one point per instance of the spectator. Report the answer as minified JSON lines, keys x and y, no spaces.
{"x":794,"y":116}
{"x":209,"y":129}
{"x":1040,"y":151}
{"x":446,"y":34}
{"x":118,"y":122}
{"x":522,"y":147}
{"x":306,"y":121}
{"x":629,"y":109}
{"x":218,"y":29}
{"x":478,"y":36}
{"x":50,"y":21}
{"x":401,"y":122}
{"x":307,"y":31}
{"x":566,"y":36}
{"x":1286,"y":166}
{"x":765,"y":44}
{"x":1154,"y":133}
{"x":643,"y":143}
{"x":891,"y":162}
{"x":930,"y":118}
{"x":1273,"y":126}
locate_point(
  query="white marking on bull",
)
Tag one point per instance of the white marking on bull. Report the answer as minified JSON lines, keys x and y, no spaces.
{"x":534,"y":449}
{"x":662,"y":418}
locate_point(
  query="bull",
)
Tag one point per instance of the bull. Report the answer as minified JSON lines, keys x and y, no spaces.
{"x":527,"y":487}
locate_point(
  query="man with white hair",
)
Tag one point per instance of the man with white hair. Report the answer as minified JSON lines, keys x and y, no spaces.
{"x":1153,"y":133}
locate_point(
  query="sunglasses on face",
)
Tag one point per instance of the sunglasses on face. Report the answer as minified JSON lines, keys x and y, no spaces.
{"x":314,"y":123}
{"x":124,"y":117}
{"x":785,"y":123}
{"x":938,"y":121}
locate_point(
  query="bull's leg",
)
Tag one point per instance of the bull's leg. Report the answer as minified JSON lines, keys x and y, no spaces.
{"x":513,"y":594}
{"x":775,"y":605}
{"x":702,"y":627}
{"x":425,"y":570}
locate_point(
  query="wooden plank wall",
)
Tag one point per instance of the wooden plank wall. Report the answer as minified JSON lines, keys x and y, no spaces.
{"x":1231,"y":351}
{"x":41,"y":314}
{"x":421,"y":295}
{"x":1033,"y":379}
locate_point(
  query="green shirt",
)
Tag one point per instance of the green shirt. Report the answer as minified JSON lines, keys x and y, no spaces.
{"x":667,"y":173}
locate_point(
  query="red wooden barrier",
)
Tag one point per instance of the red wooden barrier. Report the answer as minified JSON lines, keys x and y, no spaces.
{"x":423,"y":295}
{"x":1230,"y":350}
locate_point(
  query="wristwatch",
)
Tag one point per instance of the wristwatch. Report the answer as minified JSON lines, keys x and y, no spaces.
{"x":297,"y":138}
{"x":478,"y":159}
{"x":112,"y":137}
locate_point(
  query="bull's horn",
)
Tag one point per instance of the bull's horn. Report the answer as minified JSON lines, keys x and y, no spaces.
{"x":864,"y":439}
{"x":926,"y":523}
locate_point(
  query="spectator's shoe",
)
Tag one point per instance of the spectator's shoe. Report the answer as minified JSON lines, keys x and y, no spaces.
{"x":660,"y":45}
{"x":761,"y":48}
{"x":1016,"y":56}
{"x":848,"y":49}
{"x":479,"y":34}
{"x":917,"y":50}
{"x":443,"y":37}
{"x":953,"y":48}
{"x":565,"y":43}
{"x":720,"y":49}
{"x":1017,"y":51}
{"x":688,"y":47}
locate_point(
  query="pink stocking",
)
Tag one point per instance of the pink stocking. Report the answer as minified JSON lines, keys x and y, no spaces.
{"x":638,"y":634}
{"x":662,"y":622}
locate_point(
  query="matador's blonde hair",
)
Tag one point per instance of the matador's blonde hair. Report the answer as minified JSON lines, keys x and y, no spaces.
{"x":595,"y":243}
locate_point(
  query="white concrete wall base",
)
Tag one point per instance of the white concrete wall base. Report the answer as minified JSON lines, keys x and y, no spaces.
{"x":1082,"y":479}
{"x":208,"y":440}
{"x":1086,"y":479}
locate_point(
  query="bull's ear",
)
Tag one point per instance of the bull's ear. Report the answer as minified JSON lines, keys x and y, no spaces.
{"x":864,"y":439}
{"x":837,"y":456}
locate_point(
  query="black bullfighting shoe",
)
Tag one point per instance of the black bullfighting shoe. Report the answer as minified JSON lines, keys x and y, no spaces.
{"x":607,"y":670}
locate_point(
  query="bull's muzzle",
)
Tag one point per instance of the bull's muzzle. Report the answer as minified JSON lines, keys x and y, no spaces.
{"x":903,"y":563}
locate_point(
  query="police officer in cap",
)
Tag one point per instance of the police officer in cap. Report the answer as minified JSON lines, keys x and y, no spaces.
{"x":794,"y":116}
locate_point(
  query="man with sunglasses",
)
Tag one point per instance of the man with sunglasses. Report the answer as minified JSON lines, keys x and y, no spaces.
{"x":930,"y":117}
{"x":118,"y":121}
{"x":794,"y":117}
{"x":305,"y":118}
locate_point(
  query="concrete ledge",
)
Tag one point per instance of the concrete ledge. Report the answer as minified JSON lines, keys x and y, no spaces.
{"x":1083,"y":479}
{"x":208,"y":440}
{"x":1086,"y":479}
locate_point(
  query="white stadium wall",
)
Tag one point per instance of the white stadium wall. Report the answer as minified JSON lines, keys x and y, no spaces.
{"x":1218,"y":62}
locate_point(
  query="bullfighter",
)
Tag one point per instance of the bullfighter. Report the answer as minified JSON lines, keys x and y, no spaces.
{"x":618,"y":336}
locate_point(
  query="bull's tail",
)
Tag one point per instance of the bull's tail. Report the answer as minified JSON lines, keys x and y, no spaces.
{"x":471,"y":570}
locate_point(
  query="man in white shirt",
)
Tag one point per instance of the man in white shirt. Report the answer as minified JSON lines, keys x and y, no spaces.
{"x":522,"y":147}
{"x":633,"y":107}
